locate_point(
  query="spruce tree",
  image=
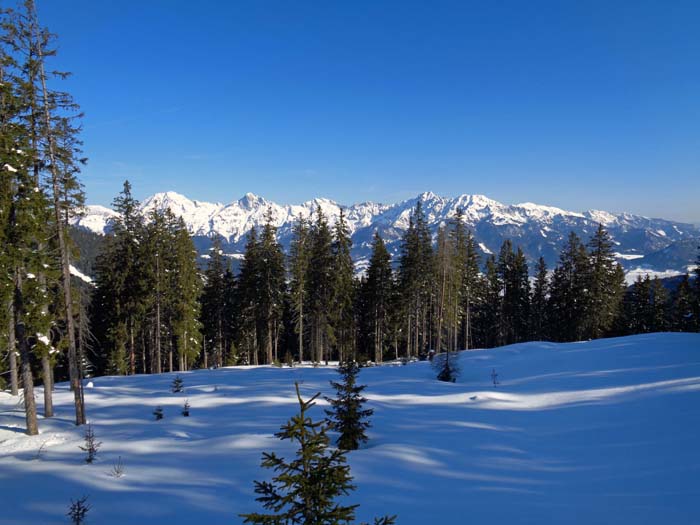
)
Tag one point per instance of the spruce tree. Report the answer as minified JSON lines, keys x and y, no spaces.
{"x":249,"y":328}
{"x":472,"y":286}
{"x":538,"y":303}
{"x":415,"y":276}
{"x":299,"y":253}
{"x":506,"y":273}
{"x":520,"y":288}
{"x":606,"y":286}
{"x":25,"y":217}
{"x":271,"y":287}
{"x":444,"y":288}
{"x":320,"y":281}
{"x":376,"y":291}
{"x":638,"y":306}
{"x":489,"y":314}
{"x":347,"y":415}
{"x":659,"y":297}
{"x":122,"y":286}
{"x":343,"y":289}
{"x":51,"y":118}
{"x":185,"y":285}
{"x":306,"y":489}
{"x":682,"y":314}
{"x":569,"y":301}
{"x":213,"y":304}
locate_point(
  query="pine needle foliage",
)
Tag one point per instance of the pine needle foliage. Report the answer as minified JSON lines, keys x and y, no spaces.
{"x":347,"y":416}
{"x":305,"y":489}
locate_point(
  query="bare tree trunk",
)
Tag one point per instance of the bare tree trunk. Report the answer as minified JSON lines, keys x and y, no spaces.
{"x":157,"y":333}
{"x":408,"y":335}
{"x":219,"y":344}
{"x":73,"y":365}
{"x":25,"y":359}
{"x":47,"y":378}
{"x":268,"y":341}
{"x":276,"y":341}
{"x":204,"y":352}
{"x":144,"y":362}
{"x":11,"y":346}
{"x":46,"y":372}
{"x":132,"y":349}
{"x":255,"y":346}
{"x":301,"y":330}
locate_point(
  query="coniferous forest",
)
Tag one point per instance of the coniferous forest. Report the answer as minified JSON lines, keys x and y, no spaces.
{"x":154,"y":310}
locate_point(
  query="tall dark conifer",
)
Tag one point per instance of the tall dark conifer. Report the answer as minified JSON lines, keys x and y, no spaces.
{"x":376,"y":291}
{"x":569,"y":301}
{"x":343,"y":290}
{"x":538,"y":303}
{"x":299,"y":259}
{"x":416,"y":271}
{"x":605,"y":288}
{"x":271,"y":287}
{"x":320,"y":281}
{"x":213,"y":305}
{"x":682,"y":314}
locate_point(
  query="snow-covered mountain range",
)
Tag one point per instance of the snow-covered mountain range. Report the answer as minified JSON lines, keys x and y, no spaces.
{"x":539,"y":230}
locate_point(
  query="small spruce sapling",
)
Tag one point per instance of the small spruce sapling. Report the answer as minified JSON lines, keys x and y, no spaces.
{"x":178,"y":385}
{"x":347,"y":417}
{"x":78,"y":510}
{"x":446,"y":366}
{"x":186,"y":409}
{"x":305,"y":489}
{"x":158,"y":413}
{"x":494,"y":378}
{"x":91,"y":445}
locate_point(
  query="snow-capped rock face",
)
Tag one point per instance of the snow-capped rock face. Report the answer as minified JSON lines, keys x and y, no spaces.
{"x":95,"y":218}
{"x":539,"y":230}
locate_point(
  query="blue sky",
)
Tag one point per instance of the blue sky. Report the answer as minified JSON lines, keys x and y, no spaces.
{"x":574,"y":104}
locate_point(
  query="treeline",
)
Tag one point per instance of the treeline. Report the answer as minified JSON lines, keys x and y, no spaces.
{"x":308,"y":304}
{"x":42,"y":319}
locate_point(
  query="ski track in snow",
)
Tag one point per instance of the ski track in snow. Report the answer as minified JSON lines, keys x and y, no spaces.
{"x":595,"y":432}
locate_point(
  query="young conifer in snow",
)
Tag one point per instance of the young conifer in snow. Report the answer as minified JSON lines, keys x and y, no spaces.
{"x":347,"y":416}
{"x":158,"y":413}
{"x":91,"y":445}
{"x":178,"y":385}
{"x":78,"y":510}
{"x":305,"y":489}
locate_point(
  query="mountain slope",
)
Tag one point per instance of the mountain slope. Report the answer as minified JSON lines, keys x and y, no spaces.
{"x":602,"y":431}
{"x":539,"y":230}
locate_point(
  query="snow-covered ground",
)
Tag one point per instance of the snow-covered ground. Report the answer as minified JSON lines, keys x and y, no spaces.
{"x":596,"y":432}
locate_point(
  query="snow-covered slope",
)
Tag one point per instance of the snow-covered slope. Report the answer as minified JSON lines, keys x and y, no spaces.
{"x":596,"y":432}
{"x":539,"y":230}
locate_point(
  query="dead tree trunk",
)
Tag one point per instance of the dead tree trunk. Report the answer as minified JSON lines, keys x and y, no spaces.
{"x":11,"y":347}
{"x":25,"y":355}
{"x":47,"y":377}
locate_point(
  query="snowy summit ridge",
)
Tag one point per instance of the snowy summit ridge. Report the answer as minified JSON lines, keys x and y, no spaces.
{"x":538,"y":229}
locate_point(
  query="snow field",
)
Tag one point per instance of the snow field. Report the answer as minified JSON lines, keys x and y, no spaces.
{"x":605,"y":431}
